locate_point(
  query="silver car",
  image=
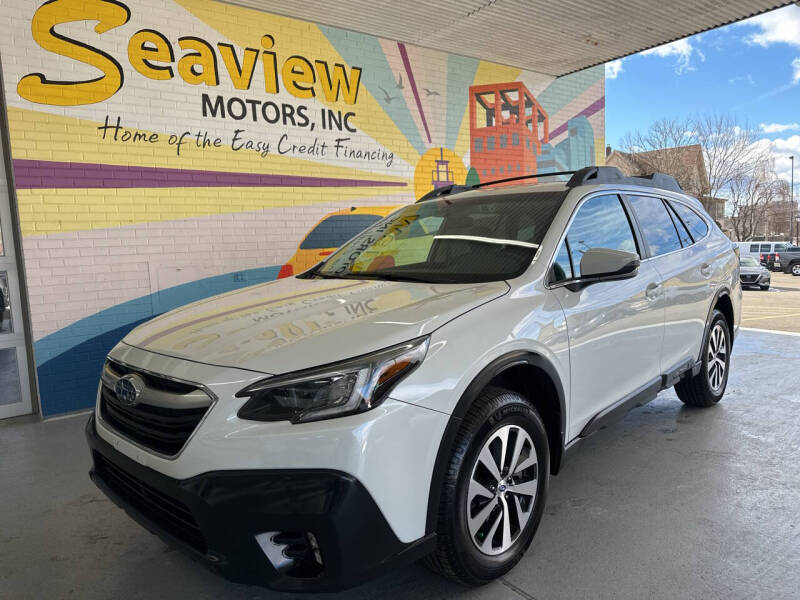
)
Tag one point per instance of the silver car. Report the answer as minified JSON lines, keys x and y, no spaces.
{"x":751,"y":273}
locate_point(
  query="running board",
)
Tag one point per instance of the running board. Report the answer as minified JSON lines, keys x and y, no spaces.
{"x":640,"y":397}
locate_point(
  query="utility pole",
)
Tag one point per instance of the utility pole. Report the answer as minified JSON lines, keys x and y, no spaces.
{"x":791,"y":196}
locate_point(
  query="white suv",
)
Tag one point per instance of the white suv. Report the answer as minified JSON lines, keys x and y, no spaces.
{"x":411,"y":395}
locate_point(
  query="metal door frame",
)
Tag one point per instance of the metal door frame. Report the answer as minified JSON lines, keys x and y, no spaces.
{"x":16,"y":243}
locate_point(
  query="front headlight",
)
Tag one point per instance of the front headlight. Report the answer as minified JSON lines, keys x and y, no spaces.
{"x":333,"y":390}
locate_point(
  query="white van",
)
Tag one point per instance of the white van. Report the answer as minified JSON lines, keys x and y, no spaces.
{"x":761,"y":250}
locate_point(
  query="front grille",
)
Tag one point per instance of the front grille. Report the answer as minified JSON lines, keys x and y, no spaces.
{"x":748,"y":278}
{"x":164,"y":429}
{"x":170,"y":514}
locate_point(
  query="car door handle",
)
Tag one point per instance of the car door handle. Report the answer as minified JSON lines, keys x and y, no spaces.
{"x":705,"y":270}
{"x":653,"y":291}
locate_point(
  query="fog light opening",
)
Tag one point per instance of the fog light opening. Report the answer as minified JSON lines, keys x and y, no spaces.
{"x":294,"y":554}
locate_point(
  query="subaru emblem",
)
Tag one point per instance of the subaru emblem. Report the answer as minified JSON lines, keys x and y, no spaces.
{"x":128,"y":389}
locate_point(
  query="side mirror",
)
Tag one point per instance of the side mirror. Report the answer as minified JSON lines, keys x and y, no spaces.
{"x":606,"y":264}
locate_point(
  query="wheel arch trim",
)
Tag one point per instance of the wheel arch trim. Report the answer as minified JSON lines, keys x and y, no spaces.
{"x":479,"y":382}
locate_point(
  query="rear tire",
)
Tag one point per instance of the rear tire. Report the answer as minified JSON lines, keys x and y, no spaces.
{"x":764,"y":288}
{"x":795,"y":268}
{"x":708,"y":386}
{"x":486,"y":522}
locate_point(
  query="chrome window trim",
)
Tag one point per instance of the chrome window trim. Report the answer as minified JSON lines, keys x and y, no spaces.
{"x":213,"y":397}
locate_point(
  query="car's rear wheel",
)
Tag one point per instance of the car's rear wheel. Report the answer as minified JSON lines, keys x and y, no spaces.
{"x":764,"y":287}
{"x":708,"y":386}
{"x":494,"y":490}
{"x":796,"y":269}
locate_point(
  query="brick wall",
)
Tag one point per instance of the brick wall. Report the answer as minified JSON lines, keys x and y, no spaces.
{"x":115,"y":232}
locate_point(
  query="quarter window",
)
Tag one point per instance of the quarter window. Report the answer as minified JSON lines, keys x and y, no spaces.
{"x":656,"y":224}
{"x":766,"y":247}
{"x":697,"y":226}
{"x":601,"y":222}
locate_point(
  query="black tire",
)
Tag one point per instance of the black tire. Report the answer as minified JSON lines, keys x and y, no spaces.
{"x":764,"y":288}
{"x":794,"y":269}
{"x":457,"y":556}
{"x":697,"y":390}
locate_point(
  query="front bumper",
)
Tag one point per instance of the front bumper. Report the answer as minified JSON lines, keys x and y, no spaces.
{"x":216,"y":516}
{"x":755,"y":279}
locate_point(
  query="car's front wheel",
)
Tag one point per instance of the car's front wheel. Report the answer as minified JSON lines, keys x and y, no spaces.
{"x":796,"y":269}
{"x":494,"y":490}
{"x":708,"y":386}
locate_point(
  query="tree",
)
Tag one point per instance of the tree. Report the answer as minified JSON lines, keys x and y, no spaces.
{"x":712,"y":157}
{"x":750,"y":194}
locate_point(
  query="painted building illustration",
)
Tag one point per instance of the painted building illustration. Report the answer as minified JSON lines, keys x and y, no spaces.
{"x":507,"y":129}
{"x":116,"y":232}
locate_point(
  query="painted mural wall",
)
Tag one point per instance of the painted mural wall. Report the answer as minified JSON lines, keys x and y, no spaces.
{"x":165,"y":151}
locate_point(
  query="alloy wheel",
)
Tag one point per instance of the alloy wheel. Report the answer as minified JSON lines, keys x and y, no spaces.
{"x":717,"y":357}
{"x":796,"y":269}
{"x":502,"y":490}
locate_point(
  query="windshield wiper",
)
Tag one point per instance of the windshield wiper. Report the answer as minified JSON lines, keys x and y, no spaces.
{"x":400,"y":277}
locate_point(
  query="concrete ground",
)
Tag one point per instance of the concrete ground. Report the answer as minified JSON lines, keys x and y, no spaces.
{"x":669,"y":503}
{"x":777,"y":309}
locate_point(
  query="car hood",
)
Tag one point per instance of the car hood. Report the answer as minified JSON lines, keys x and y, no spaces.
{"x":293,"y":324}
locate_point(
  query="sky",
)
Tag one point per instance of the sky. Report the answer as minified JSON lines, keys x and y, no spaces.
{"x":749,"y":69}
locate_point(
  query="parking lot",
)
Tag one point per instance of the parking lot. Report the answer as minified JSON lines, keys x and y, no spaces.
{"x":777,"y":309}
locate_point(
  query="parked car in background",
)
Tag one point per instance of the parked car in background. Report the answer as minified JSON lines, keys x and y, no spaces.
{"x":411,"y":395}
{"x":790,"y":260}
{"x":753,"y":274}
{"x":333,"y":230}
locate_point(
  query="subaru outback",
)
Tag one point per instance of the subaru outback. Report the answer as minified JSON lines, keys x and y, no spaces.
{"x":412,"y":395}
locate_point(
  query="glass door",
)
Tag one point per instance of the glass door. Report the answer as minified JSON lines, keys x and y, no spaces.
{"x":15,"y":396}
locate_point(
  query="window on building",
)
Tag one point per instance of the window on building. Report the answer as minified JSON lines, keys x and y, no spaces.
{"x":515,"y":139}
{"x":656,"y":224}
{"x":478,"y":144}
{"x":490,"y":143}
{"x":501,"y":169}
{"x":519,"y":167}
{"x":503,"y":141}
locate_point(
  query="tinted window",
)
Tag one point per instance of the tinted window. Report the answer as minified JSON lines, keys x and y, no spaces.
{"x":683,"y":233}
{"x":749,"y":261}
{"x":766,"y":247}
{"x":697,"y":226}
{"x":336,"y":230}
{"x":656,"y":224}
{"x":781,"y":247}
{"x":601,"y":222}
{"x":753,"y":247}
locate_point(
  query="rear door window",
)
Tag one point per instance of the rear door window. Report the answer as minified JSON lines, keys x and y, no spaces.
{"x":683,"y":233}
{"x":656,"y":224}
{"x":753,"y":247}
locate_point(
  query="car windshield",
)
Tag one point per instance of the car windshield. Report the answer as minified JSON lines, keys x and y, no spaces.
{"x":476,"y":238}
{"x":749,"y":262}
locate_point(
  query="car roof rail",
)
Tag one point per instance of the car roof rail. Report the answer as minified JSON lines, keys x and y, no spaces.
{"x":448,"y":190}
{"x":612,"y":175}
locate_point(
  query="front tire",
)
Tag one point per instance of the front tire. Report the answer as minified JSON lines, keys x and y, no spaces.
{"x":708,"y":386}
{"x":764,"y":288}
{"x":796,"y":269}
{"x":494,"y":491}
